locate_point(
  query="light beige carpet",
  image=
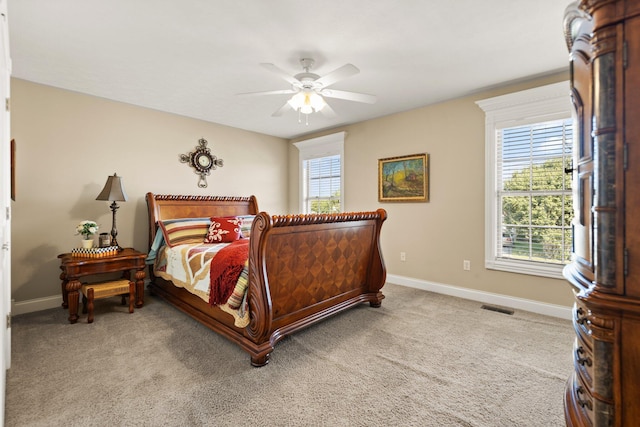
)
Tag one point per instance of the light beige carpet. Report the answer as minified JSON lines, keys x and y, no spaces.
{"x":422,"y":359}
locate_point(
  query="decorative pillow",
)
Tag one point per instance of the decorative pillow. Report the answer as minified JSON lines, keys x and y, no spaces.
{"x":224,"y":230}
{"x":184,"y":230}
{"x":245,"y":227}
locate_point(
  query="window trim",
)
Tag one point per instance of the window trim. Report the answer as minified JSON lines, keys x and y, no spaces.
{"x":322,"y":146}
{"x":530,"y":106}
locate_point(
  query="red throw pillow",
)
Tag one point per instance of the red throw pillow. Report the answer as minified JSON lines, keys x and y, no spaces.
{"x":224,"y":230}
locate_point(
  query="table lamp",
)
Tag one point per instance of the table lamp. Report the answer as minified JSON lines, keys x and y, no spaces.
{"x":113,"y":192}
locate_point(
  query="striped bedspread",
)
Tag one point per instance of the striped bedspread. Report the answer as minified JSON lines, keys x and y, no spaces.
{"x":188,"y":266}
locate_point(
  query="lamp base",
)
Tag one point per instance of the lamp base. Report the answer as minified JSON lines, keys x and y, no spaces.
{"x":114,"y":241}
{"x":114,"y":231}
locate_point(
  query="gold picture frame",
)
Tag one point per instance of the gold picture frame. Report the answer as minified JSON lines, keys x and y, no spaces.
{"x":404,"y":178}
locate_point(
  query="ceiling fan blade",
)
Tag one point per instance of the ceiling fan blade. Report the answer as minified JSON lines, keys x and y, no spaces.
{"x":280,"y":111}
{"x":328,"y":112}
{"x":276,"y":70}
{"x":343,"y":72}
{"x":269,"y":92}
{"x":349,"y":96}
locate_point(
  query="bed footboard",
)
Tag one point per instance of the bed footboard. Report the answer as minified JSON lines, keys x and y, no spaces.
{"x":304,"y":268}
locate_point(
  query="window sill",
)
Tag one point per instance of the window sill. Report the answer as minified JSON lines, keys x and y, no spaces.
{"x":553,"y":271}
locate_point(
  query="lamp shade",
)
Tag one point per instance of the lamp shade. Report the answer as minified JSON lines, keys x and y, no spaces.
{"x":113,"y":190}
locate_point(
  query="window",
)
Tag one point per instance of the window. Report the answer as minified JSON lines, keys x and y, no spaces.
{"x":321,"y":167}
{"x":528,"y":196}
{"x":322,"y":179}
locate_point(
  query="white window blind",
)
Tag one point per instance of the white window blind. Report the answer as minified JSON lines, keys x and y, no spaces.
{"x":321,"y":174}
{"x":323,"y":180}
{"x":534,"y":193}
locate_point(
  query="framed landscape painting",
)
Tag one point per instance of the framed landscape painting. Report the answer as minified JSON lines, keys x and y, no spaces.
{"x":404,"y":178}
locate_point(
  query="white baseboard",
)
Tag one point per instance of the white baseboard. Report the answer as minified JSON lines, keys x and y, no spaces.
{"x":37,"y":304}
{"x":554,"y":310}
{"x":484,"y":297}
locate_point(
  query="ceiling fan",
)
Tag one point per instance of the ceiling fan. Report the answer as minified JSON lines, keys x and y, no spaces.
{"x":309,"y":90}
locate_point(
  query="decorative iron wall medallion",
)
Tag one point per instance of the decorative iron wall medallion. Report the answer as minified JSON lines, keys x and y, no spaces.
{"x":202,"y":161}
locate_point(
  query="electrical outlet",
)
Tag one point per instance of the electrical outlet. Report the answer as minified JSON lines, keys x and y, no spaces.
{"x":466,"y":265}
{"x":403,"y":256}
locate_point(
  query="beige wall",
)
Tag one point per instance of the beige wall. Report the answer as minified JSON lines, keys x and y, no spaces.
{"x":67,"y":145}
{"x":436,"y":236}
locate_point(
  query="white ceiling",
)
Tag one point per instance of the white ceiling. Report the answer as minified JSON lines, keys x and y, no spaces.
{"x":192,"y":57}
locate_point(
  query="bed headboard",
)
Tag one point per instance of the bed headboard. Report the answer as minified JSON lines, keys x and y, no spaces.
{"x":162,"y":207}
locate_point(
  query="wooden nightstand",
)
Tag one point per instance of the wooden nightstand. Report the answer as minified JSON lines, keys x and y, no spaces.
{"x":75,"y":267}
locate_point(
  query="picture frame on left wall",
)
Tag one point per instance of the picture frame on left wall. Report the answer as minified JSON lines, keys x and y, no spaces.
{"x":404,"y":178}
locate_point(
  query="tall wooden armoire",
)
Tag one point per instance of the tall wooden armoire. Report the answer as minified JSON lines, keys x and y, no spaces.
{"x":604,"y":42}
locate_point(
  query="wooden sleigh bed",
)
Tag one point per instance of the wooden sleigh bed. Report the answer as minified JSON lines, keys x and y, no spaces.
{"x":301,"y":268}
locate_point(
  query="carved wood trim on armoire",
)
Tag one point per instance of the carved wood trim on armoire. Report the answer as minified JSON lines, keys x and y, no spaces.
{"x":603,"y":37}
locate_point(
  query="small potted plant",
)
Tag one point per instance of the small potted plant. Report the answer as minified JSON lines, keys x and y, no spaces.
{"x":87,"y":229}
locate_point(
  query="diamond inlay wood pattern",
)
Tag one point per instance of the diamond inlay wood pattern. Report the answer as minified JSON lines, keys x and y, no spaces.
{"x":329,"y":261}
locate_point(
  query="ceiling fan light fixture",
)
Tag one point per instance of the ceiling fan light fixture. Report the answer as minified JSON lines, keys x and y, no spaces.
{"x":307,"y":102}
{"x":297,"y":101}
{"x":317,"y":102}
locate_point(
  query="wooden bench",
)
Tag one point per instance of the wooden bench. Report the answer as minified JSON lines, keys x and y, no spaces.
{"x":91,"y":291}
